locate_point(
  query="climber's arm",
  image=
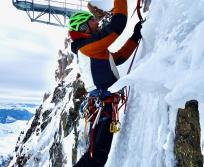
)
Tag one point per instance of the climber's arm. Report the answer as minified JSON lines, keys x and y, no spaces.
{"x":125,"y":52}
{"x":97,"y":45}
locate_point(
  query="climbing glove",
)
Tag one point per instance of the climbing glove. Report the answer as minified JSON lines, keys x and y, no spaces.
{"x":137,"y":32}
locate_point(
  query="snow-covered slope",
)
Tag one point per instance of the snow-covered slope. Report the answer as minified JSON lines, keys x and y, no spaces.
{"x":9,"y":134}
{"x":11,"y":125}
{"x":52,"y":134}
{"x":167,"y":72}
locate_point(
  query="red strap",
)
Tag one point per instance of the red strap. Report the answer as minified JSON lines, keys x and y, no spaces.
{"x":138,"y":10}
{"x":77,"y":35}
{"x":92,"y":110}
{"x":113,"y":114}
{"x":92,"y":143}
{"x":112,"y":98}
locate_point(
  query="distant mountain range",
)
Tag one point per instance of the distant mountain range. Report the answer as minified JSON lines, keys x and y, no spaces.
{"x":13,"y":119}
{"x":10,"y":112}
{"x":19,"y":106}
{"x":11,"y":115}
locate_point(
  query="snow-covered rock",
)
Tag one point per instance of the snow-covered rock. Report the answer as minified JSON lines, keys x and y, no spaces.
{"x":8,"y":136}
{"x":13,"y":119}
{"x":51,"y":136}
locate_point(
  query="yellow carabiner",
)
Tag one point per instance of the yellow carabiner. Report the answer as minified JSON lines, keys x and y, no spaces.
{"x":115,"y":127}
{"x":118,"y":126}
{"x":112,"y":125}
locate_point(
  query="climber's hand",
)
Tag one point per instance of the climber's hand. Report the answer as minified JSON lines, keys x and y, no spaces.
{"x":137,"y":32}
{"x":138,"y":27}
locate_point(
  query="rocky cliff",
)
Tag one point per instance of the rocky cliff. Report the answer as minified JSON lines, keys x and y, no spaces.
{"x":55,"y":123}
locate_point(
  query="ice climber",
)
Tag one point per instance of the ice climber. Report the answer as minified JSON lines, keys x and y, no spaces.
{"x":99,"y":71}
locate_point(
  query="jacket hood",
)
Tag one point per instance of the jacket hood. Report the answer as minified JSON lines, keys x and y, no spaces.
{"x":75,"y":35}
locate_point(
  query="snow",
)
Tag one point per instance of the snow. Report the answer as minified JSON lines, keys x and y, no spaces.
{"x":68,"y":145}
{"x":175,"y":56}
{"x":146,"y":135}
{"x":10,"y":130}
{"x":167,"y":72}
{"x":8,"y":136}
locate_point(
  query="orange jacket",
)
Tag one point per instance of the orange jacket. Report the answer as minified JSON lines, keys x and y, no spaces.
{"x":95,"y":47}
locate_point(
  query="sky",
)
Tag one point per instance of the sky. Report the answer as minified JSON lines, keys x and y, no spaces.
{"x":28,"y":55}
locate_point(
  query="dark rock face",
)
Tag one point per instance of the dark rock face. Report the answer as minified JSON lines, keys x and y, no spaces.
{"x":70,"y":118}
{"x":65,"y":59}
{"x":74,"y":149}
{"x":66,"y":123}
{"x":59,"y":93}
{"x":46,"y":119}
{"x":21,"y":160}
{"x":79,"y":92}
{"x":45,"y":97}
{"x":34,"y":125}
{"x":187,"y":142}
{"x":56,"y":154}
{"x":45,"y":123}
{"x":78,"y":95}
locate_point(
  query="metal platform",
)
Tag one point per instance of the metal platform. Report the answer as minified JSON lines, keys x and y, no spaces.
{"x":50,"y":11}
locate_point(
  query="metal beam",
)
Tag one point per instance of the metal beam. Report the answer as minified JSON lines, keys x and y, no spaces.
{"x":35,"y":10}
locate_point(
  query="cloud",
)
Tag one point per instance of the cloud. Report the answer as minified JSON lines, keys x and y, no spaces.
{"x":28,"y":54}
{"x":28,"y":72}
{"x":25,"y":45}
{"x":20,"y":95}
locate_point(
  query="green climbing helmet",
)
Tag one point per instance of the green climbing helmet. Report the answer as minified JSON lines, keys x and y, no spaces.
{"x":77,"y":19}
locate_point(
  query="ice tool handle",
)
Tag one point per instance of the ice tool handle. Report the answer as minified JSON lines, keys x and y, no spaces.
{"x":138,"y":7}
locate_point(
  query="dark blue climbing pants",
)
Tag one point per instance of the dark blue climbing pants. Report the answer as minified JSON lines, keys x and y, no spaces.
{"x":102,"y":144}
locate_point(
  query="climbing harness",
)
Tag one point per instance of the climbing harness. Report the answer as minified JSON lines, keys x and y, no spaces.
{"x":94,"y":107}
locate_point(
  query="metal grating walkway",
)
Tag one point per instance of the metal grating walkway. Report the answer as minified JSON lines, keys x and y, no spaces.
{"x":53,"y":12}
